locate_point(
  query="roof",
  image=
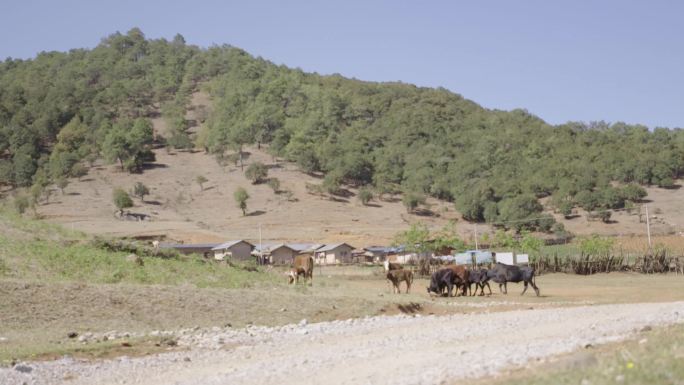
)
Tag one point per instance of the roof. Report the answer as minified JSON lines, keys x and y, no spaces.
{"x":299,"y":247}
{"x":229,"y":244}
{"x":265,"y":246}
{"x":187,"y":245}
{"x":386,"y":249}
{"x":334,"y":246}
{"x":276,"y":246}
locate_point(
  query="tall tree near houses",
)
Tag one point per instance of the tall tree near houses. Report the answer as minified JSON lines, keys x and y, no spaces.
{"x":241,"y":196}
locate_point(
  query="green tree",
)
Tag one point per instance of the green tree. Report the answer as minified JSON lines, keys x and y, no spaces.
{"x":604,"y":215}
{"x":140,"y":190}
{"x":448,"y":238}
{"x":241,"y":198}
{"x":21,"y":203}
{"x":412,"y":200}
{"x":633,"y":192}
{"x":596,"y":245}
{"x":415,"y":239}
{"x":274,"y":184}
{"x":365,"y":195}
{"x":530,"y":244}
{"x":37,"y":191}
{"x":332,"y":183}
{"x":62,"y":182}
{"x":121,"y":199}
{"x":201,"y":180}
{"x":256,"y":172}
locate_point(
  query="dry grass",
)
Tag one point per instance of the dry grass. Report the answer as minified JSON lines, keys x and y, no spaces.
{"x":639,"y":244}
{"x":37,"y":316}
{"x":653,"y":357}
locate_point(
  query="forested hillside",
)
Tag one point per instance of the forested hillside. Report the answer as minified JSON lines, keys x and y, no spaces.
{"x":60,"y":112}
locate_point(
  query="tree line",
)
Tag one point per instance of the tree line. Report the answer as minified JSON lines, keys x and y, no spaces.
{"x":62,"y":110}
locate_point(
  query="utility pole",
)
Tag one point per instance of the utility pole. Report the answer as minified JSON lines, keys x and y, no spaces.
{"x":476,"y":246}
{"x":648,"y":228}
{"x":261,"y":248}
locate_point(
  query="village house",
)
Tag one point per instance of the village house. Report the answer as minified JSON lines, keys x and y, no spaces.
{"x":237,"y":250}
{"x":281,"y":254}
{"x":334,"y":253}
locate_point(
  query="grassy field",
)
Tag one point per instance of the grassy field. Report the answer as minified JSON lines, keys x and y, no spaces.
{"x":54,"y":281}
{"x":36,"y":250}
{"x":653,"y":357}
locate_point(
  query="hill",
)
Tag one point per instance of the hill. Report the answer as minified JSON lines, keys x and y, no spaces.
{"x":132,"y":102}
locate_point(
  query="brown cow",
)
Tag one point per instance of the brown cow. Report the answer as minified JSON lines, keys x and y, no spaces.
{"x":391,"y":265}
{"x":396,"y":276}
{"x":461,"y":275}
{"x":302,"y":265}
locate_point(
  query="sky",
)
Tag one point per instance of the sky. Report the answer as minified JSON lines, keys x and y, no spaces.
{"x":576,"y":60}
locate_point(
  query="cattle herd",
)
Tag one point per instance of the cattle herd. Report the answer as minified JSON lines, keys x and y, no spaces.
{"x":442,"y":281}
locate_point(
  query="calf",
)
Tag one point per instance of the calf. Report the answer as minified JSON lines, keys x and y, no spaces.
{"x":502,"y":274}
{"x":396,"y":276}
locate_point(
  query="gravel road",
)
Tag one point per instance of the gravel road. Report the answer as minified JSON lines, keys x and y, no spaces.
{"x":377,"y":350}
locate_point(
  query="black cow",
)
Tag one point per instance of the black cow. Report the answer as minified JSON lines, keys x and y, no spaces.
{"x":502,"y":274}
{"x":480,"y":279}
{"x":441,"y":279}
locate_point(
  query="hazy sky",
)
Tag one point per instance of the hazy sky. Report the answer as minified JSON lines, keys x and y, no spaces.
{"x":561,"y":60}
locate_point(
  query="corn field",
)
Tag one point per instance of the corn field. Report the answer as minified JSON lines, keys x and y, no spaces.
{"x":659,"y":261}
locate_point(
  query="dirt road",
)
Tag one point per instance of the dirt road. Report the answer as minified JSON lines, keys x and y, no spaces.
{"x":377,"y":350}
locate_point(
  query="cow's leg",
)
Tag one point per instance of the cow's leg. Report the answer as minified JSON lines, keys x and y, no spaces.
{"x":488,"y":287}
{"x":524,"y":289}
{"x":505,"y":287}
{"x":500,"y":288}
{"x":534,"y":286}
{"x":408,"y":285}
{"x":450,"y":287}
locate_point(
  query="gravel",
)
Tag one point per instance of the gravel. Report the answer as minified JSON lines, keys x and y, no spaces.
{"x":374,"y":350}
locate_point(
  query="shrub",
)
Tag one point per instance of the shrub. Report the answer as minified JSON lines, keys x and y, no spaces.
{"x":256,"y":172}
{"x":21,"y":203}
{"x":201,"y":180}
{"x":365,"y":195}
{"x":121,"y":199}
{"x":140,"y":190}
{"x":412,"y":200}
{"x":274,"y":184}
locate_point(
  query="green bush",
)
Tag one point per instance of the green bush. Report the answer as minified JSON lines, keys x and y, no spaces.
{"x":365,"y":195}
{"x":121,"y":199}
{"x":256,"y":172}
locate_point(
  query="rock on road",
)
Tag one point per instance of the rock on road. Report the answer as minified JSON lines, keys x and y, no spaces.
{"x":375,"y":350}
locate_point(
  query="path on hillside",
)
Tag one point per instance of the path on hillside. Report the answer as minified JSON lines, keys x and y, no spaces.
{"x":377,"y":350}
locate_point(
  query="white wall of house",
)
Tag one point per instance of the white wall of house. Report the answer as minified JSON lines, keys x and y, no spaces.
{"x":340,"y":254}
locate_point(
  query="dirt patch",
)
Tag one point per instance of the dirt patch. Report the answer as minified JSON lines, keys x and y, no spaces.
{"x":380,"y":350}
